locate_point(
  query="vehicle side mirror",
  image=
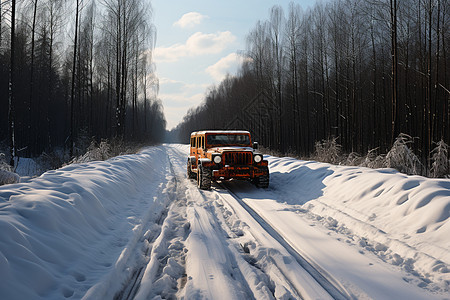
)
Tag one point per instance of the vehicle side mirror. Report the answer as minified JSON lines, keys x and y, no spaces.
{"x":255,"y":145}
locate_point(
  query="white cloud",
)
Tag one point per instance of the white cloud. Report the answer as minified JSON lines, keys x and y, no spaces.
{"x":169,"y":54}
{"x":197,"y":44}
{"x":184,"y":100}
{"x":190,"y":20}
{"x":177,"y":101}
{"x":200,"y":43}
{"x":227,"y":64}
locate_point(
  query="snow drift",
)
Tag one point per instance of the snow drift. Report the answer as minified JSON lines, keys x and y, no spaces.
{"x":61,"y":232}
{"x":80,"y":231}
{"x":403,"y":219}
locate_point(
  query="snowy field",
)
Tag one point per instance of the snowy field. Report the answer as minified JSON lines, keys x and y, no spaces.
{"x":134,"y":227}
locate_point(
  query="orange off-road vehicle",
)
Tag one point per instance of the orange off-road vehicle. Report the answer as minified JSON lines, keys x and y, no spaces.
{"x":223,"y":155}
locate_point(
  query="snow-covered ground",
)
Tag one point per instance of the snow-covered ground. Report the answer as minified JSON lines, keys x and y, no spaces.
{"x":134,"y":227}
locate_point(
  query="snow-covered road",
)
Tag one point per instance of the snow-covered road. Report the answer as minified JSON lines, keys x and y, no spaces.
{"x":134,"y":227}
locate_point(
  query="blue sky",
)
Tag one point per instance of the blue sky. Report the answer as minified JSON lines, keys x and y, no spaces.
{"x":197,"y":45}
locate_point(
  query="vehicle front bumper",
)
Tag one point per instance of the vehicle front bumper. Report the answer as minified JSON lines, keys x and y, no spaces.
{"x":239,"y":172}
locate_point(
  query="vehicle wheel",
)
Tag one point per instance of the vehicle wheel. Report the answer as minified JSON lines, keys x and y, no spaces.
{"x":262,"y":181}
{"x":204,"y":178}
{"x":190,"y":174}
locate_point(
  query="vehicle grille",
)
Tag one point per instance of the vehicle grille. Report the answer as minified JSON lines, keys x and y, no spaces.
{"x":237,"y":158}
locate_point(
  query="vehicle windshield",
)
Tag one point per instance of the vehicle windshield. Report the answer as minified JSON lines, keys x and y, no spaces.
{"x":228,"y":140}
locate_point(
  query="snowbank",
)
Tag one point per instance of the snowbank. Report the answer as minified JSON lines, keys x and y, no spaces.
{"x":82,"y":230}
{"x":55,"y":229}
{"x":7,"y":177}
{"x":403,"y":219}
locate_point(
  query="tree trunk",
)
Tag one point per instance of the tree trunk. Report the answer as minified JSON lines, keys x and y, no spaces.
{"x":31,"y":142}
{"x":445,"y":110}
{"x":436,"y":80}
{"x":394,"y":55}
{"x":429,"y":78}
{"x":72,"y":99}
{"x":11,"y":110}
{"x":1,"y":22}
{"x":374,"y":91}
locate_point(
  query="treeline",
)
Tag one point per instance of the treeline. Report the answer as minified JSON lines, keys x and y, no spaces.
{"x":359,"y":71}
{"x":76,"y":70}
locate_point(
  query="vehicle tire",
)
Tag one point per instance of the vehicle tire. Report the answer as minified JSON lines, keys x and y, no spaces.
{"x":262,"y":181}
{"x":190,"y":174}
{"x":203,"y":178}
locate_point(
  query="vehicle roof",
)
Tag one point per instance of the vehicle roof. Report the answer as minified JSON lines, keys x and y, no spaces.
{"x":221,"y":132}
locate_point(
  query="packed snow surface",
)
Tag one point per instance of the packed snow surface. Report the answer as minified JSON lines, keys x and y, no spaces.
{"x":134,"y":227}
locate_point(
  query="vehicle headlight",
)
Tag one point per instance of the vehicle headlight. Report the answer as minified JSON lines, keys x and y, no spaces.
{"x":257,"y":158}
{"x":217,"y":159}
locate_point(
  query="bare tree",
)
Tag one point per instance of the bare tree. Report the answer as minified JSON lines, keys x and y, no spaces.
{"x":293,"y":27}
{"x":127,"y":20}
{"x":276,"y":30}
{"x":33,"y":31}
{"x":3,"y":11}
{"x":362,"y":71}
{"x":11,"y":110}
{"x":1,"y":23}
{"x":394,"y":55}
{"x":52,"y":98}
{"x":72,"y":94}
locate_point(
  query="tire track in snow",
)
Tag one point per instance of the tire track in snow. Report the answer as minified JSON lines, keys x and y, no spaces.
{"x":332,"y":287}
{"x":264,"y":269}
{"x":266,"y":276}
{"x":142,"y":225}
{"x":165,"y":273}
{"x":211,"y":266}
{"x":133,"y":285}
{"x":160,"y":243}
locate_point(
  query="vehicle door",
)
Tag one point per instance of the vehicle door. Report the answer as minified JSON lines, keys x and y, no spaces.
{"x":197,"y":148}
{"x":201,"y":147}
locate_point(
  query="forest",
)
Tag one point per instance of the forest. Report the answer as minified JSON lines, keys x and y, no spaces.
{"x":360,"y":73}
{"x":76,"y":71}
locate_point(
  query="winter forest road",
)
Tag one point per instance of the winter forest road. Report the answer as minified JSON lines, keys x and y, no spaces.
{"x":135,"y":227}
{"x":231,"y":255}
{"x":239,"y":242}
